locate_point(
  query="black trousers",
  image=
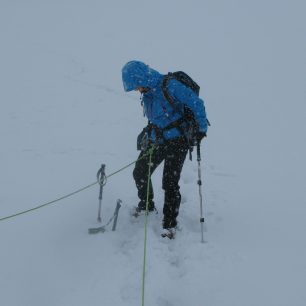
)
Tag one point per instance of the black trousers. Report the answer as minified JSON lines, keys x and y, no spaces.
{"x":173,"y":153}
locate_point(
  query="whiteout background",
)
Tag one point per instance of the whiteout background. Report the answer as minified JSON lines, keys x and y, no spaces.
{"x":64,"y":112}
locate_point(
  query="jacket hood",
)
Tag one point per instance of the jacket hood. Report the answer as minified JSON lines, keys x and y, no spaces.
{"x":138,"y":74}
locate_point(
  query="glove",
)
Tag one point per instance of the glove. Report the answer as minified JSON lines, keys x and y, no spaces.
{"x":142,"y":140}
{"x":200,"y":135}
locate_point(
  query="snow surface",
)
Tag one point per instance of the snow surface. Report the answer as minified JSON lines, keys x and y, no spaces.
{"x":64,"y":112}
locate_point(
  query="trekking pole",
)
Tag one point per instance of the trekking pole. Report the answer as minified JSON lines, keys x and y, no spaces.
{"x":200,"y":191}
{"x":101,"y":180}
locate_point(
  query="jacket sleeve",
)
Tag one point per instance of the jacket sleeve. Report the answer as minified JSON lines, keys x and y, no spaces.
{"x":186,"y":96}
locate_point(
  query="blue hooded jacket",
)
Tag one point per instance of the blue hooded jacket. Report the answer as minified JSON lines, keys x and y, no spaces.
{"x":156,"y":107}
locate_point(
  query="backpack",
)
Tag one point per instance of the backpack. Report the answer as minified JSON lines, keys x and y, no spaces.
{"x":185,"y":79}
{"x":182,"y":77}
{"x":187,"y":115}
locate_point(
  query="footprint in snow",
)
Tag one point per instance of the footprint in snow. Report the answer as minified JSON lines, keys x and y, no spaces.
{"x":163,"y":302}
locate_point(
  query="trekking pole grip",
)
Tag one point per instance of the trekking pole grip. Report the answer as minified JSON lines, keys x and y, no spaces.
{"x":198,"y":151}
{"x":101,"y":178}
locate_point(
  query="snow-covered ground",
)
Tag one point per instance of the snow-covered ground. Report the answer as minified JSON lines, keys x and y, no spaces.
{"x":64,"y":113}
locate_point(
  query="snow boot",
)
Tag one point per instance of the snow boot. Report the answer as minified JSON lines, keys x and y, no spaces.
{"x":141,"y":210}
{"x":169,"y":233}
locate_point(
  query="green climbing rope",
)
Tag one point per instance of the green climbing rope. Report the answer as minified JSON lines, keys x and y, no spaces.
{"x":72,"y":193}
{"x":150,"y":151}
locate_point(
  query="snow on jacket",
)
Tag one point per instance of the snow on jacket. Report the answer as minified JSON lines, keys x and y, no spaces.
{"x":157,"y":108}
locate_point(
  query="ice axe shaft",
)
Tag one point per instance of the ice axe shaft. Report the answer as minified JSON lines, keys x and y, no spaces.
{"x":116,"y":213}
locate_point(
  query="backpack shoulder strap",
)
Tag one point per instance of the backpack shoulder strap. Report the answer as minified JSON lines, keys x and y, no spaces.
{"x":165,"y":90}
